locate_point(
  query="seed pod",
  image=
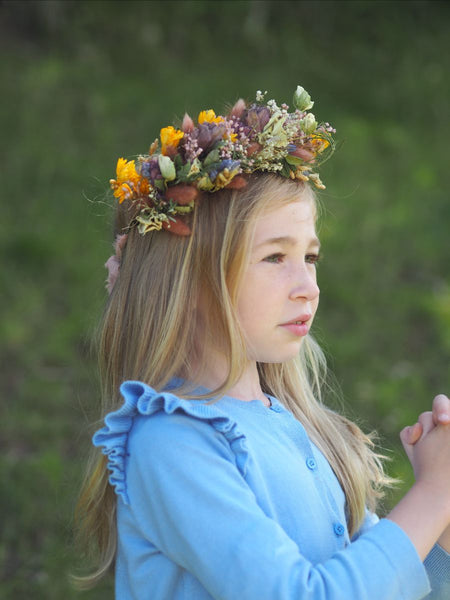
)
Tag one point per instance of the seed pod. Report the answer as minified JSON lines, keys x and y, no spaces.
{"x":238,"y":108}
{"x":181,"y":194}
{"x":188,"y":124}
{"x":177,"y":227}
{"x":237,"y":183}
{"x":253,"y":147}
{"x":304,"y":154}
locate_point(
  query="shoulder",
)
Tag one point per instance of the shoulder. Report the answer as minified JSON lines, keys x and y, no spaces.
{"x":162,"y":434}
{"x":151,"y":428}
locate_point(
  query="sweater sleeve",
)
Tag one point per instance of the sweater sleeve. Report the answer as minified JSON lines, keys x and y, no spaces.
{"x":185,"y":484}
{"x":437,"y":563}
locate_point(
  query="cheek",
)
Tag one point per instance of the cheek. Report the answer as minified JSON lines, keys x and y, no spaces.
{"x":253,"y":303}
{"x":315,"y":305}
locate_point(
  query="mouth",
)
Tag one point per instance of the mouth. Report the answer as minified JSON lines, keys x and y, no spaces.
{"x":299,"y":326}
{"x":301,"y":320}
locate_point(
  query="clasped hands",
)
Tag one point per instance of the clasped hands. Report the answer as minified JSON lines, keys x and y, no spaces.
{"x":439,"y":415}
{"x":436,"y":419}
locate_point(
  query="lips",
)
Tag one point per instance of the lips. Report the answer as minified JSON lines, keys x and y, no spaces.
{"x":298,"y":326}
{"x":300,"y":320}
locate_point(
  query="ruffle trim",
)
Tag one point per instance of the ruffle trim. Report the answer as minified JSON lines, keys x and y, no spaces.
{"x":141,"y":399}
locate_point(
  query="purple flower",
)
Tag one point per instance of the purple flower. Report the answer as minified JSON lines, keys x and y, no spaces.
{"x":256,"y":117}
{"x":150,"y":170}
{"x":208,"y":134}
{"x":231,"y":165}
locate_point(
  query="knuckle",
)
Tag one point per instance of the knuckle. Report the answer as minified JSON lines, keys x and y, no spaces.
{"x":425,"y":415}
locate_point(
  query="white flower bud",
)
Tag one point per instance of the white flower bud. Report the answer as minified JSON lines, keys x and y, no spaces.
{"x":309,"y":123}
{"x":166,"y":167}
{"x":302,"y":100}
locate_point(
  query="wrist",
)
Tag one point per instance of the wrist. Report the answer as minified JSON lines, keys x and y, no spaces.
{"x":436,"y":500}
{"x":424,"y":516}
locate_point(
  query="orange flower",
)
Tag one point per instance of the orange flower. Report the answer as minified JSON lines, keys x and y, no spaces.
{"x":170,"y":138}
{"x":129,"y":184}
{"x":209,"y":116}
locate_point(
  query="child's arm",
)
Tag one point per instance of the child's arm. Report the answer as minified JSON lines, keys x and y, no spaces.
{"x":193,"y":503}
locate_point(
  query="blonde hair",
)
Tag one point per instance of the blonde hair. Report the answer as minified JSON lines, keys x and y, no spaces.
{"x":148,"y":330}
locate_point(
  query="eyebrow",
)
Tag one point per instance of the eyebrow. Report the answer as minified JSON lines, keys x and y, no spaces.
{"x":287,"y":240}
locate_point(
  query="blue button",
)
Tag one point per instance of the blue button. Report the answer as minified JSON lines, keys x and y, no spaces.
{"x":339,"y":529}
{"x":276,"y":408}
{"x":311,"y":463}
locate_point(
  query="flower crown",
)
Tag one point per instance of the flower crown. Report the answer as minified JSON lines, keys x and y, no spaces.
{"x":217,"y":153}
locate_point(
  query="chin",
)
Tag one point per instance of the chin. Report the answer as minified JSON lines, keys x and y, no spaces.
{"x":280,"y":357}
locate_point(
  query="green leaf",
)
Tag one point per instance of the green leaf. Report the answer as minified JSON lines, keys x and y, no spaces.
{"x":183,"y":171}
{"x":286,"y":170}
{"x":178,"y":162}
{"x":293,"y":160}
{"x":213,"y":157}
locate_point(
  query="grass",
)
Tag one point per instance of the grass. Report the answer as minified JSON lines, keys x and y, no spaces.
{"x":86,"y":82}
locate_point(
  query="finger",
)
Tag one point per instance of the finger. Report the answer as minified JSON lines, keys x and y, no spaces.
{"x":441,"y":409}
{"x":414,"y":433}
{"x":426,"y":420}
{"x":408,"y":448}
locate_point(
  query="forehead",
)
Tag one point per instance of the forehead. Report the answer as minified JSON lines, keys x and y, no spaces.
{"x":295,"y":219}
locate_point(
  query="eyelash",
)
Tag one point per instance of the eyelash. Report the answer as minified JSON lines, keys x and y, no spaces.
{"x":313,"y":259}
{"x":277,"y":258}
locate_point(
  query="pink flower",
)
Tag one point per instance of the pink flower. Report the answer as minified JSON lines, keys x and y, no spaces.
{"x":113,"y":262}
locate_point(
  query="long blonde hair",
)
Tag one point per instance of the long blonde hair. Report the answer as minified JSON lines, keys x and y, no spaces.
{"x":148,"y":330}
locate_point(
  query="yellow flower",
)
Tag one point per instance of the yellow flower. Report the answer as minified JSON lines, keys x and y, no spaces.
{"x":129,"y":184}
{"x":170,"y":138}
{"x":209,"y":116}
{"x":126,"y":170}
{"x":319,"y":144}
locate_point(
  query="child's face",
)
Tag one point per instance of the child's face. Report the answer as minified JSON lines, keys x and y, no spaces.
{"x":279,"y":294}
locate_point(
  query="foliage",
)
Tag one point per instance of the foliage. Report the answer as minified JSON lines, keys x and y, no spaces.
{"x":88,"y":81}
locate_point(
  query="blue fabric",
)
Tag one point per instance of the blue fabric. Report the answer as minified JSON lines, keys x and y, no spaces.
{"x":232,"y":500}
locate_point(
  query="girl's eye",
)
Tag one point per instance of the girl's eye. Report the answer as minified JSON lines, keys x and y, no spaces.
{"x":312,"y":259}
{"x":275,"y":258}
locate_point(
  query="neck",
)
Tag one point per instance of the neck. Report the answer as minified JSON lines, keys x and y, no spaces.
{"x":247,"y":388}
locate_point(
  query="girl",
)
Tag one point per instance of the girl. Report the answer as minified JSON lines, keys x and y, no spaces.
{"x":223,"y":475}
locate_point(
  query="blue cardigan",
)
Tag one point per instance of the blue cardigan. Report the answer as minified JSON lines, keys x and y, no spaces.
{"x":232,"y":500}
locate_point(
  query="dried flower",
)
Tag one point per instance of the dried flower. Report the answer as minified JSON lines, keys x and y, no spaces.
{"x":188,"y":124}
{"x":209,"y":116}
{"x":218,"y":152}
{"x":256,"y":117}
{"x":167,"y":168}
{"x":129,"y":184}
{"x":302,"y":100}
{"x":170,"y":138}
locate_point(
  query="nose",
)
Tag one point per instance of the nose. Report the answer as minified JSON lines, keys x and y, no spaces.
{"x":305,"y":286}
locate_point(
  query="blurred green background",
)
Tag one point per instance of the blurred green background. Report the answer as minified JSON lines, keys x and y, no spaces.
{"x":86,"y":82}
